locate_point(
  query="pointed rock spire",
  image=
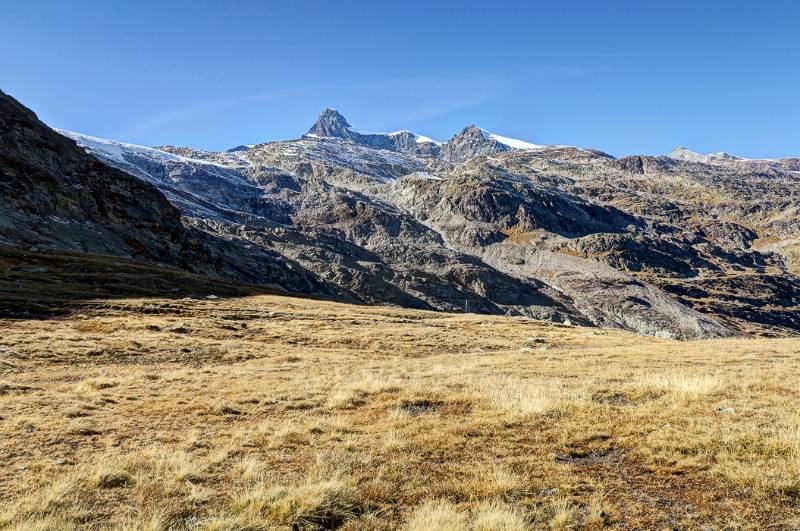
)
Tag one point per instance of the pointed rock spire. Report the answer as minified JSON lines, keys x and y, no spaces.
{"x":330,"y":124}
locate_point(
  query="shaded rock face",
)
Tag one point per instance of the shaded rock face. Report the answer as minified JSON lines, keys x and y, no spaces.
{"x":633,"y":165}
{"x":762,"y":300}
{"x":54,"y":193}
{"x":499,"y":204}
{"x":650,"y":244}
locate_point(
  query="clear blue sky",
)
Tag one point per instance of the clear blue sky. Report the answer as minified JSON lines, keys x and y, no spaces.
{"x":626,"y":77}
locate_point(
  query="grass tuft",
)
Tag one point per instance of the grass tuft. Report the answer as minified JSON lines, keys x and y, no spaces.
{"x":437,"y":515}
{"x":315,"y":503}
{"x":494,"y":516}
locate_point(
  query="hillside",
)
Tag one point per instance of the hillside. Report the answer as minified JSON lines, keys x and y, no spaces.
{"x":684,"y":247}
{"x":215,"y":409}
{"x":56,"y":197}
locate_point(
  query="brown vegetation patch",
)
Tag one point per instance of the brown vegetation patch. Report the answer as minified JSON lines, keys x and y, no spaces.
{"x":317,"y":415}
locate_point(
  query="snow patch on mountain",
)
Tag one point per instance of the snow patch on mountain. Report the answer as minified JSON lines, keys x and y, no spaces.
{"x":424,"y":175}
{"x":419,"y":139}
{"x":111,"y":149}
{"x":199,"y":188}
{"x":514,"y":143}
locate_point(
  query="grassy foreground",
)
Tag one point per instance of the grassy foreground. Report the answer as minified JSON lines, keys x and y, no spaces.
{"x":269,"y":412}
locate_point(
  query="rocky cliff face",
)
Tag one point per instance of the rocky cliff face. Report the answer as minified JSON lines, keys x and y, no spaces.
{"x":53,"y":193}
{"x":484,"y":223}
{"x":56,"y":196}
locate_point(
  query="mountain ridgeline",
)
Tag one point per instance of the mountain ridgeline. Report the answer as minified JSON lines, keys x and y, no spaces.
{"x":680,"y":246}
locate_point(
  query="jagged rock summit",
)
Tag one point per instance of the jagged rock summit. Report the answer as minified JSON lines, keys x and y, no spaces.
{"x":331,"y":124}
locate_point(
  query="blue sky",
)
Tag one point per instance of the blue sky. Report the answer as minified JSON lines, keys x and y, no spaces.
{"x":626,"y":77}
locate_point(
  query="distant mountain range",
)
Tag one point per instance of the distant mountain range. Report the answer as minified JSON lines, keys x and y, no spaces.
{"x":470,"y":142}
{"x":684,"y":246}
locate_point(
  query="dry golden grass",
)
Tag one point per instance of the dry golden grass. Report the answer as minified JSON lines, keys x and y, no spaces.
{"x":269,"y":412}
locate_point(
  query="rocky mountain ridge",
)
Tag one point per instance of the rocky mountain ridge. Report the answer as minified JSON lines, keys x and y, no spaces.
{"x":483,"y":223}
{"x":331,"y":124}
{"x":722,"y":157}
{"x":499,"y":201}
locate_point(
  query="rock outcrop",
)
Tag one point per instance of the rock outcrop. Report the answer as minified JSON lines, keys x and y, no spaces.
{"x":471,"y":142}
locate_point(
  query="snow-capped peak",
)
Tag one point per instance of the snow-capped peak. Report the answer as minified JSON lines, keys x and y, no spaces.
{"x":475,"y":133}
{"x":332,"y":125}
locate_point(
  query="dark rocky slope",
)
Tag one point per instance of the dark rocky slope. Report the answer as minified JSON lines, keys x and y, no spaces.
{"x":56,"y":196}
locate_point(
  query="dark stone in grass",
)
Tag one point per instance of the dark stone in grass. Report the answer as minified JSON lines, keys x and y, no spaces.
{"x":419,"y":407}
{"x":114,"y":481}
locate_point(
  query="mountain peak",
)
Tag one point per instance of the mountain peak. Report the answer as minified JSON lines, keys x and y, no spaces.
{"x":330,"y":123}
{"x":470,"y":142}
{"x":471,"y":129}
{"x":682,"y":153}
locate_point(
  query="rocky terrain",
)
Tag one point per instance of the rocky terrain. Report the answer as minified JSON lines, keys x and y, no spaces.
{"x":56,"y":197}
{"x":684,"y":246}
